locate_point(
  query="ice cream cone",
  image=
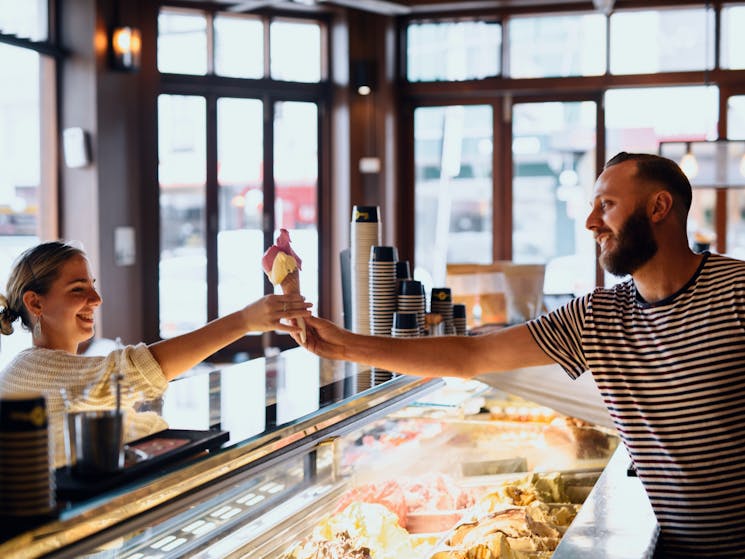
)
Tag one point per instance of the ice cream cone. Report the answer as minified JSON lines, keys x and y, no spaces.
{"x":291,"y":284}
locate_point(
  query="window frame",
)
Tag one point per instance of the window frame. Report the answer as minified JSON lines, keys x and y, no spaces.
{"x":269,"y":91}
{"x":414,"y":94}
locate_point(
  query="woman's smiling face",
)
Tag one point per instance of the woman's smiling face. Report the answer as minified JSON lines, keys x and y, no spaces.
{"x":67,"y":308}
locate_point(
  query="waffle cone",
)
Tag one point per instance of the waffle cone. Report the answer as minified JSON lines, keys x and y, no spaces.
{"x":291,"y":284}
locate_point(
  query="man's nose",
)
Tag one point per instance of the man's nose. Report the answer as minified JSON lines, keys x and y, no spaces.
{"x":593,"y":221}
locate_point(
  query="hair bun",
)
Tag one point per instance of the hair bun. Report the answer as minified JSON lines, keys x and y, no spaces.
{"x":7,"y":317}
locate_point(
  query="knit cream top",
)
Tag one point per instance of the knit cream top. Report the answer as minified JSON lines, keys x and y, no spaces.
{"x":87,"y":382}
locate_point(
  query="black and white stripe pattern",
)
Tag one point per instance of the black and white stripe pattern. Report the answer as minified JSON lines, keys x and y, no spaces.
{"x":673,"y":377}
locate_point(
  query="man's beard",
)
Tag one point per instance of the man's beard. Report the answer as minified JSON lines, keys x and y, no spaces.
{"x":635,"y":246}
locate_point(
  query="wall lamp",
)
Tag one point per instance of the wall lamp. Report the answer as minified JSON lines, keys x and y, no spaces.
{"x":364,"y":74}
{"x":126,"y":47}
{"x":709,"y":164}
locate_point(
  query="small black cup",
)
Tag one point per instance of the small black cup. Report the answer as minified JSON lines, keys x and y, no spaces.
{"x":405,"y":321}
{"x":442,"y":294}
{"x":459,"y":310}
{"x":402,"y":270}
{"x":383,"y":254}
{"x":410,"y":287}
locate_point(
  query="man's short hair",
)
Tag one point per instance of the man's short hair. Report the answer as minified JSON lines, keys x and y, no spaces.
{"x":663,"y":171}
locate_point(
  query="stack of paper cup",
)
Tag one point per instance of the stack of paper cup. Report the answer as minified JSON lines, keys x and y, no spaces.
{"x":382,"y":289}
{"x":365,"y":233}
{"x":459,"y":319}
{"x":411,"y":300}
{"x":441,"y":303}
{"x":27,"y":488}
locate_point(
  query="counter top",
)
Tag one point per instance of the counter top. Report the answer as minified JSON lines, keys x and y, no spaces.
{"x":616,"y":521}
{"x":270,"y":408}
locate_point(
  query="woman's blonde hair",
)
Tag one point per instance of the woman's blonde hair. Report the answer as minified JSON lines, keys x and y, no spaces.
{"x":34,"y":270}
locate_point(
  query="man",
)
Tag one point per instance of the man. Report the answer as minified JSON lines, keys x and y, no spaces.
{"x":665,"y":347}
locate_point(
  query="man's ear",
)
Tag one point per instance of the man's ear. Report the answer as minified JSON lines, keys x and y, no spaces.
{"x":32,"y":301}
{"x":661,"y":204}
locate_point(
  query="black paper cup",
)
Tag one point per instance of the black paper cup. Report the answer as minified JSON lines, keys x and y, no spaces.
{"x":403,"y":272}
{"x":383,"y":254}
{"x":459,"y":310}
{"x":405,"y":321}
{"x":442,"y":294}
{"x":410,"y":287}
{"x":365,"y":214}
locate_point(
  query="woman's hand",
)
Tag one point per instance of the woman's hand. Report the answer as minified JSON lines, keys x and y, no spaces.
{"x":269,"y":312}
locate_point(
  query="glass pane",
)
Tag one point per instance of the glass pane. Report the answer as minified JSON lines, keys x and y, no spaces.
{"x":27,"y":19}
{"x":296,"y":183}
{"x":181,"y":174}
{"x":638,"y":119}
{"x":453,"y":188}
{"x":240,"y":240}
{"x":733,"y":39}
{"x":182,"y":42}
{"x":453,"y":51}
{"x":295,"y":51}
{"x":736,"y":117}
{"x":239,"y":47}
{"x":20,"y":169}
{"x":557,"y":45}
{"x":701,"y":224}
{"x":736,"y":223}
{"x":553,"y":153}
{"x":661,"y":41}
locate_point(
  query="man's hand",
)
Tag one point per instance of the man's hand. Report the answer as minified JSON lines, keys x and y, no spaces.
{"x":323,"y":338}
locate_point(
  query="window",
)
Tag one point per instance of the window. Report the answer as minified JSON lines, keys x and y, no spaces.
{"x":182,"y":42}
{"x":736,"y":197}
{"x":28,"y":21}
{"x":239,"y":46}
{"x":639,"y":119}
{"x":453,"y":51}
{"x":733,"y":40}
{"x":240,"y":151}
{"x":645,"y":42}
{"x":736,"y":117}
{"x":182,"y":177}
{"x":556,"y":45}
{"x":553,"y":159}
{"x":221,"y":205}
{"x":295,"y":51}
{"x":27,"y":173}
{"x":453,"y":188}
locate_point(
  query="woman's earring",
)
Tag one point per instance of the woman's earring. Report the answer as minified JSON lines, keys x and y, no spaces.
{"x":37,"y":328}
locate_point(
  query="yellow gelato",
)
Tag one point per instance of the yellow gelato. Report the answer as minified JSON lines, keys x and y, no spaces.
{"x":283,"y":264}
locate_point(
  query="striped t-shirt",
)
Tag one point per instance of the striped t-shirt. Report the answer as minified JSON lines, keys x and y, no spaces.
{"x":672,"y":374}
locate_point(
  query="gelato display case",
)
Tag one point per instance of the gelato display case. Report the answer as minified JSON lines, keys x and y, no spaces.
{"x":331,"y":459}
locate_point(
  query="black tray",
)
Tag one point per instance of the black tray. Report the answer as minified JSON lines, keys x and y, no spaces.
{"x":163,"y":447}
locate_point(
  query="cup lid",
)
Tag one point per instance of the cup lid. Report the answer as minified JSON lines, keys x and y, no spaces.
{"x":365,"y":214}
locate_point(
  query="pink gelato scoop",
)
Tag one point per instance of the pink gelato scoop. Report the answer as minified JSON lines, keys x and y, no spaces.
{"x":282,"y":245}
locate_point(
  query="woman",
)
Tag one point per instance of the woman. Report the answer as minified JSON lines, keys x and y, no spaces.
{"x":51,"y":290}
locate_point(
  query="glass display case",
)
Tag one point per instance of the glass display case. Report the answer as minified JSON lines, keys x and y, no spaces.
{"x":343,"y":457}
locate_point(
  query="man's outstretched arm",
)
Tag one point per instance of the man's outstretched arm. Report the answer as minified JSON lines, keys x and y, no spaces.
{"x":456,"y":356}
